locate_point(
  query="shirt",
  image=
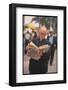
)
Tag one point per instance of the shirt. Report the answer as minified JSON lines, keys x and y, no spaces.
{"x":51,"y":40}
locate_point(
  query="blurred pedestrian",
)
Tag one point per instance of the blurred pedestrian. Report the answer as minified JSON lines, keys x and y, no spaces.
{"x":52,"y":40}
{"x":27,"y":39}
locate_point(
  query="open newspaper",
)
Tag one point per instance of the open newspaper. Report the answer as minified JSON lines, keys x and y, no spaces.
{"x":36,"y":52}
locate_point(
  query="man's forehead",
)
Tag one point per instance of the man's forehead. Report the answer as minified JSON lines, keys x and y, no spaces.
{"x":43,"y":29}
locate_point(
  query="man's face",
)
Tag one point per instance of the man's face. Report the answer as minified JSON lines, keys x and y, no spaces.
{"x":42,"y":32}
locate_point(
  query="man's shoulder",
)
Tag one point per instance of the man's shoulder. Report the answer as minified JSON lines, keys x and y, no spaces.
{"x":34,"y":40}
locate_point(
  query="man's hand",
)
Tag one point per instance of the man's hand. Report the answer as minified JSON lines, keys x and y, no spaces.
{"x":28,"y":47}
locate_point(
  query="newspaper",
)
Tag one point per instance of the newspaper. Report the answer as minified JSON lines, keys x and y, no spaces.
{"x":36,"y":52}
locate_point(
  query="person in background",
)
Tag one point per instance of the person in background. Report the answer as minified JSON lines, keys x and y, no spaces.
{"x":52,"y":40}
{"x":40,"y":66}
{"x":55,"y":40}
{"x":27,"y":39}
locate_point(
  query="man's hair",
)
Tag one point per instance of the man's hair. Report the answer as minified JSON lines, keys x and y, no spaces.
{"x":44,"y":26}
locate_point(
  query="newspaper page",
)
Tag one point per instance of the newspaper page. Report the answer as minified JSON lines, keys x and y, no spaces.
{"x":35,"y":52}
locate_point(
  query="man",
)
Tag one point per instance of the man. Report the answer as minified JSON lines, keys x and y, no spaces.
{"x":40,"y":66}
